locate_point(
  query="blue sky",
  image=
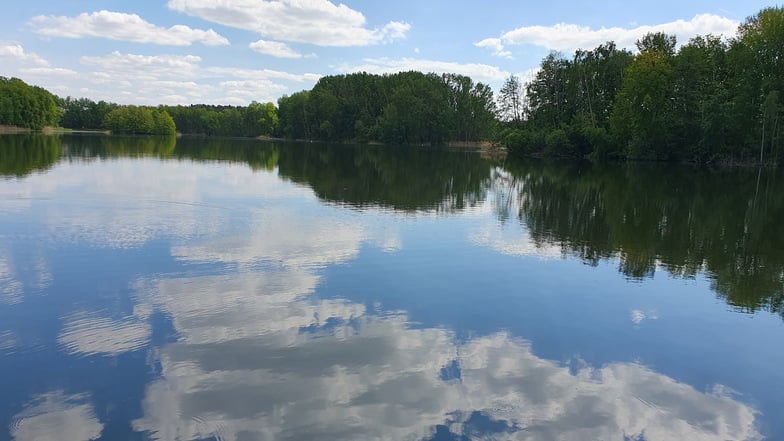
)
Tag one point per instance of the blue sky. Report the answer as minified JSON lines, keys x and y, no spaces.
{"x":237,"y":51}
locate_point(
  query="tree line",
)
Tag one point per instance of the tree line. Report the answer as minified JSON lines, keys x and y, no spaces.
{"x":22,"y":105}
{"x":33,"y":107}
{"x":402,"y":108}
{"x":710,"y":100}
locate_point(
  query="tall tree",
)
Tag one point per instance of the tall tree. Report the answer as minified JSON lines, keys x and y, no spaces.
{"x":642,"y":115}
{"x":547,"y":92}
{"x":510,"y":100}
{"x":758,"y":55}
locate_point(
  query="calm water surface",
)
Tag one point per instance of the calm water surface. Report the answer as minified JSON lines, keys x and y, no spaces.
{"x":235,"y":290}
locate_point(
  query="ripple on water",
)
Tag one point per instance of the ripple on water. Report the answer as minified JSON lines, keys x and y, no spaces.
{"x":90,"y":334}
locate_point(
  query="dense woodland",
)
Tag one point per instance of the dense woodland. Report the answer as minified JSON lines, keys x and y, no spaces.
{"x":22,"y":105}
{"x":403,"y":108}
{"x":709,"y":100}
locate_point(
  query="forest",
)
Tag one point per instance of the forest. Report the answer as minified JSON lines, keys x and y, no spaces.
{"x":712,"y":99}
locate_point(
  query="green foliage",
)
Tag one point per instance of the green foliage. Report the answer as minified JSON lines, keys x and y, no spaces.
{"x":294,"y":115}
{"x":657,"y":42}
{"x":255,"y":120}
{"x":510,"y":100}
{"x":708,"y":101}
{"x":642,"y":115}
{"x":26,"y":106}
{"x":83,"y":113}
{"x":139,"y":120}
{"x":402,"y":108}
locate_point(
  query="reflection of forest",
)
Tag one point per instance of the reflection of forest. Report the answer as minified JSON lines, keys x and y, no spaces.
{"x":683,"y":219}
{"x":725,"y":222}
{"x":402,"y":178}
{"x":23,"y":154}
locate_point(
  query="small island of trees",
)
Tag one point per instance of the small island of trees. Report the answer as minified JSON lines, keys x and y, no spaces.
{"x":711,"y":100}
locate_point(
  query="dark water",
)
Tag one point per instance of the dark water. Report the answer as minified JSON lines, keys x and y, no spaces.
{"x":236,"y":290}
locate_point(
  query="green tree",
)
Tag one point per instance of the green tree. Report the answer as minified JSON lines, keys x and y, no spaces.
{"x":642,"y":115}
{"x":547,"y":92}
{"x":139,"y":120}
{"x":699,"y":96}
{"x":657,"y":41}
{"x":295,"y":115}
{"x":758,"y":63}
{"x":27,"y":106}
{"x":510,"y":100}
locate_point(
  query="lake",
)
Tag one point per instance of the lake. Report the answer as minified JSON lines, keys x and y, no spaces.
{"x":197,"y":289}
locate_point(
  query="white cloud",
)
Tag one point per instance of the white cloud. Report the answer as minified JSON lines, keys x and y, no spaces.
{"x":16,"y":53}
{"x":479,"y":72}
{"x":49,"y":71}
{"x":240,"y":92}
{"x":570,"y":37}
{"x":275,"y":49}
{"x":182,"y":79}
{"x":125,"y":27}
{"x":496,"y":46}
{"x":149,"y":66}
{"x":318,"y":22}
{"x":56,"y":416}
{"x":263,"y":74}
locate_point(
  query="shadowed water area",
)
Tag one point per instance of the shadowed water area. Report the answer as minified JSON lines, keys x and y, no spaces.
{"x":199,"y":289}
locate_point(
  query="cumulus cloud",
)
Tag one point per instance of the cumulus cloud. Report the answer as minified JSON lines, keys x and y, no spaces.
{"x":182,"y":79}
{"x":149,"y":66}
{"x":275,"y":49}
{"x":49,"y":71}
{"x":125,"y":27}
{"x":495,"y":45}
{"x":263,"y":74}
{"x":568,"y":37}
{"x":318,"y":22}
{"x":481,"y":72}
{"x":14,"y":52}
{"x":56,"y":416}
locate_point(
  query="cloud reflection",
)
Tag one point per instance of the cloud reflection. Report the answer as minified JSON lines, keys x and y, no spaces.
{"x":258,"y":360}
{"x":56,"y":416}
{"x":11,"y":289}
{"x":90,"y":334}
{"x":281,"y":235}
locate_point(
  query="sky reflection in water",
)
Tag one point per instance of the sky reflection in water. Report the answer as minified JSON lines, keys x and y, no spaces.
{"x":181,"y":300}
